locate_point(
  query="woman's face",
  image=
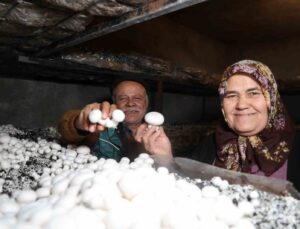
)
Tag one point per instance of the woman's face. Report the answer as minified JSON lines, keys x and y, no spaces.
{"x":244,"y":106}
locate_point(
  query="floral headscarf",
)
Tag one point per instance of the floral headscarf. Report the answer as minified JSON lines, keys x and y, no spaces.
{"x":270,"y":148}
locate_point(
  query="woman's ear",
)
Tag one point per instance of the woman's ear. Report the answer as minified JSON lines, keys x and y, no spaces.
{"x":223,"y":113}
{"x":267,"y":98}
{"x":268,"y":103}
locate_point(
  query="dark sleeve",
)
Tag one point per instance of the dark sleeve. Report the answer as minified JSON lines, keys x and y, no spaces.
{"x":206,"y":150}
{"x":69,"y":133}
{"x":294,"y":163}
{"x":67,"y":129}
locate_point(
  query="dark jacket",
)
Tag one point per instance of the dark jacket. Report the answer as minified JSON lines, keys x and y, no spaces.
{"x":206,"y":152}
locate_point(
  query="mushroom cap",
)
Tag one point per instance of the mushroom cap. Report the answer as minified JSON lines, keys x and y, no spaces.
{"x":154,"y":118}
{"x":118,"y":115}
{"x":95,"y":115}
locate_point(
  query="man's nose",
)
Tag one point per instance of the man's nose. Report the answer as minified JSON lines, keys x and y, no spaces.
{"x":130,"y":101}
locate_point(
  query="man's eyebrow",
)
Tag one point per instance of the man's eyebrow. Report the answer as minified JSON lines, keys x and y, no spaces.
{"x":230,"y":92}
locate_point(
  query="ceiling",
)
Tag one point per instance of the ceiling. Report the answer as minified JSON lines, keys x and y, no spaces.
{"x":36,"y":32}
{"x":243,"y":21}
{"x":33,"y":27}
{"x":226,"y":20}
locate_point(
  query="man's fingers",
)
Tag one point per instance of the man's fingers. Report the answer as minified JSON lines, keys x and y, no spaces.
{"x":112,"y":108}
{"x":88,"y":108}
{"x":140,"y":132}
{"x":105,"y":108}
{"x":92,"y":128}
{"x":83,"y":122}
{"x":149,"y":135}
{"x":155,"y":133}
{"x":150,"y":130}
{"x":100,"y":128}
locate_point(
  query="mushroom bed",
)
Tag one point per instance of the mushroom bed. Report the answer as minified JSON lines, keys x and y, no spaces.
{"x":46,"y":185}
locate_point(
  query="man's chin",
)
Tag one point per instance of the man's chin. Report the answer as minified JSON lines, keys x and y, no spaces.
{"x":132,"y":121}
{"x":132,"y":114}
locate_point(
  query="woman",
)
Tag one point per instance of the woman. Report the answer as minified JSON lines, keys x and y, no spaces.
{"x":257,"y":135}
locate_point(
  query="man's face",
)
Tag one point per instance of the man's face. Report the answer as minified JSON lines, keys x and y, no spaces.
{"x":244,"y":106}
{"x":132,"y":99}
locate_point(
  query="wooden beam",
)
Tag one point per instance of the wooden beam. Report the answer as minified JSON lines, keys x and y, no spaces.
{"x":71,"y":72}
{"x":151,"y":10}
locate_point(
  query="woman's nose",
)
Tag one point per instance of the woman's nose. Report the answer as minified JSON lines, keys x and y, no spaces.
{"x":242,"y":103}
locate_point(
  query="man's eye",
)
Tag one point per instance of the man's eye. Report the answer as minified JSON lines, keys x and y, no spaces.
{"x":230,"y":96}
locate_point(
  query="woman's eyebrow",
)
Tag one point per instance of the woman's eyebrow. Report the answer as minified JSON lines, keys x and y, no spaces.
{"x":248,"y":90}
{"x":253,"y":89}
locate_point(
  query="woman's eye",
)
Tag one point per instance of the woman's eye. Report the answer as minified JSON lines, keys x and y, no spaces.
{"x":254,"y":93}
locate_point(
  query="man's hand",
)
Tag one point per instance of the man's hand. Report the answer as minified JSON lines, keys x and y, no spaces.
{"x":82,"y":122}
{"x":154,"y":139}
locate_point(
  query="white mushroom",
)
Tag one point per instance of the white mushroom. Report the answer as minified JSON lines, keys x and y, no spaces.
{"x":95,"y":115}
{"x":83,"y":150}
{"x":103,"y":121}
{"x":118,"y":115}
{"x":106,"y":194}
{"x":154,"y":118}
{"x":26,"y":196}
{"x":111,"y":124}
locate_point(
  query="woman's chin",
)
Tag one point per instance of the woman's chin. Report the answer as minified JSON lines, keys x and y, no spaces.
{"x":246,"y":131}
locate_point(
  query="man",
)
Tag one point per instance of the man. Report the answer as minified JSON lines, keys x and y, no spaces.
{"x":131,"y":97}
